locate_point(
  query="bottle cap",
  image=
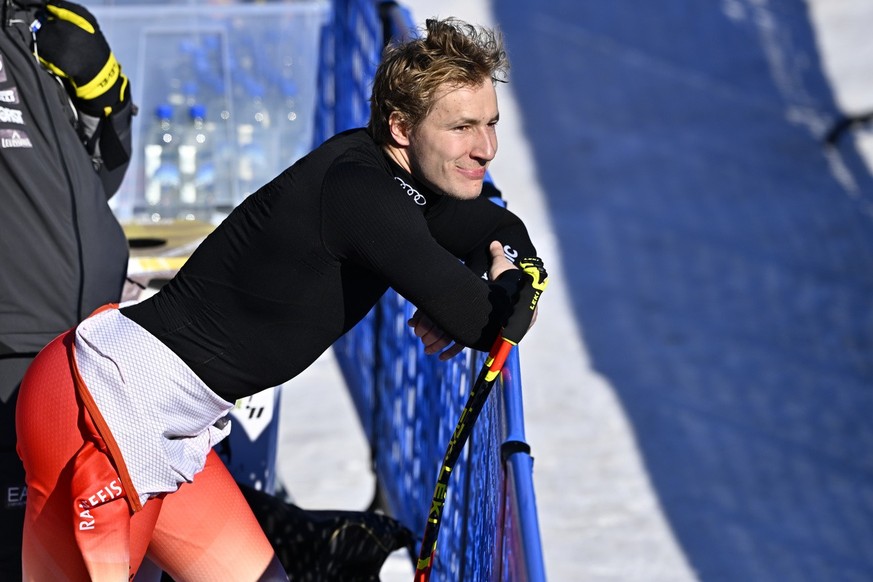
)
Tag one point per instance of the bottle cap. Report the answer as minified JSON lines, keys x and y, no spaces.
{"x":164,"y":111}
{"x":197,"y":110}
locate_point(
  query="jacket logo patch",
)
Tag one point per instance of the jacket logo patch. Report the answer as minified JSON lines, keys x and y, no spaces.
{"x":14,"y":138}
{"x":11,"y":116}
{"x":9,"y":95}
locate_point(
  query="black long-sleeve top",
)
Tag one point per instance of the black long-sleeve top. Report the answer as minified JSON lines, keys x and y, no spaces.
{"x":304,"y":258}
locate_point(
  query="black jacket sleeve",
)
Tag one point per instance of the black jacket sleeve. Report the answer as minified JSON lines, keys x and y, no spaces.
{"x":108,"y":142}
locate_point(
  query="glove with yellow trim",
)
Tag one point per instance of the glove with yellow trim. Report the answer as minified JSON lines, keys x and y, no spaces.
{"x":69,"y":43}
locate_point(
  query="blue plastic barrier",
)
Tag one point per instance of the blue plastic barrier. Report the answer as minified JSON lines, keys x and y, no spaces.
{"x":408,"y":403}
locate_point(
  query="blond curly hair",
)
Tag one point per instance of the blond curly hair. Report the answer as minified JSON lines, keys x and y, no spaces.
{"x":451,"y":52}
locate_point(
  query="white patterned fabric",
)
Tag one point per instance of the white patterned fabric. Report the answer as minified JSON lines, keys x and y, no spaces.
{"x":162,"y":416}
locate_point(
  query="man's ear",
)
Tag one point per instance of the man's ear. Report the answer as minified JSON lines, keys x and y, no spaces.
{"x":399,"y":129}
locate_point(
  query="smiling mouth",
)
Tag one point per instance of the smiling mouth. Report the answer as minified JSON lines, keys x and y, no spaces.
{"x":474,"y":173}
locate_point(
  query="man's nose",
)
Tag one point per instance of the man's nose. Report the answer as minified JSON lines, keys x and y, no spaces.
{"x":485,"y":147}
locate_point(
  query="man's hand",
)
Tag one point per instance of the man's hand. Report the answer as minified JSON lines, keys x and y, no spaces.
{"x":432,"y":337}
{"x":499,"y":262}
{"x":69,"y":43}
{"x":499,"y":265}
{"x":435,"y":339}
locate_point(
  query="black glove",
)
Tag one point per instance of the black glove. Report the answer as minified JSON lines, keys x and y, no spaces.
{"x":532,"y":285}
{"x":69,"y":43}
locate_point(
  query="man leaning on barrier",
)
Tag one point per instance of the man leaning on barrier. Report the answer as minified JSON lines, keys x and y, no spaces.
{"x":117,"y":417}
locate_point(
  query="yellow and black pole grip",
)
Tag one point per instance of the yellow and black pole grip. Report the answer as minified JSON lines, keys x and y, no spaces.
{"x":533,"y":283}
{"x":70,"y":44}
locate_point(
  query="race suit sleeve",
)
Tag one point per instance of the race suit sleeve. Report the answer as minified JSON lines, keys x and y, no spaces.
{"x":466,"y":229}
{"x":369,"y":220}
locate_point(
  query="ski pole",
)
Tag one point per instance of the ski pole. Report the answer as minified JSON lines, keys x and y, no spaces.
{"x":534,"y":283}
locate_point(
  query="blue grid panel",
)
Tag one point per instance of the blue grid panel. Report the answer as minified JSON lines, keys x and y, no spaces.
{"x":484,"y":491}
{"x":325,"y":99}
{"x":421,"y":399}
{"x":358,"y":37}
{"x":356,"y":356}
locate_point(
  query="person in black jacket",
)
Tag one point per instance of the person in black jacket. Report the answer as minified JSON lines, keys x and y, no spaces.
{"x":65,"y":116}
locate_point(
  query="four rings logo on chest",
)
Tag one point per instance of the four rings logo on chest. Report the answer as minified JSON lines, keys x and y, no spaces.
{"x":416,"y":196}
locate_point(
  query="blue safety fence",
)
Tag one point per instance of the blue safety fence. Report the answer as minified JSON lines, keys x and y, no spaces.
{"x":408,"y":403}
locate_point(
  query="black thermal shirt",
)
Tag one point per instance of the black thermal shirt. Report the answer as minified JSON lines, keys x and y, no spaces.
{"x":303,"y":259}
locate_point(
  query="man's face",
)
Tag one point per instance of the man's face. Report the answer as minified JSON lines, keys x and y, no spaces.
{"x":454,"y":144}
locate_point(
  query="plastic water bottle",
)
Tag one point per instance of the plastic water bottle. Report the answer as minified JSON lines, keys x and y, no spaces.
{"x":293,"y":141}
{"x":162,"y":178}
{"x":224,"y":148}
{"x":197,"y":167}
{"x":255,"y":140}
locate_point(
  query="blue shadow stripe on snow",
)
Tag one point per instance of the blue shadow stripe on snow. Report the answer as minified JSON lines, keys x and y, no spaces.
{"x":720,"y":262}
